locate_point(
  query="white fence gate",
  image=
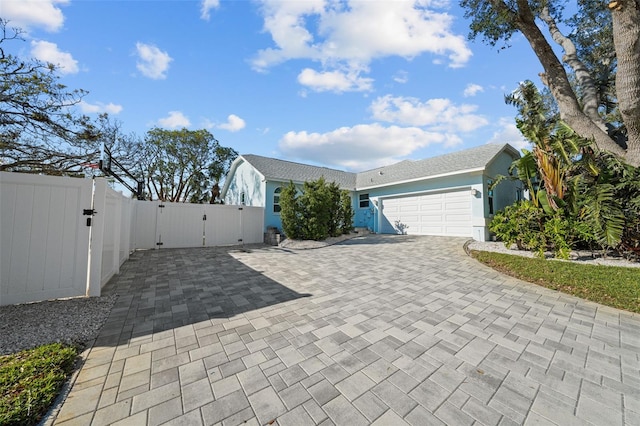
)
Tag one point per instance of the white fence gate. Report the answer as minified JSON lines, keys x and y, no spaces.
{"x":44,"y":240}
{"x":49,"y":251}
{"x":178,"y":225}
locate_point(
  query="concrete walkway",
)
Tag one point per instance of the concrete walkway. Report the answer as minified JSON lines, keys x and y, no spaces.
{"x":383,"y":330}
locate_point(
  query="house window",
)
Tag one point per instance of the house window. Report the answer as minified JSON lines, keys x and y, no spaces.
{"x":364,"y":201}
{"x":276,"y":200}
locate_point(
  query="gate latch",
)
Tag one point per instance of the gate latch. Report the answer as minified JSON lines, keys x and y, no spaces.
{"x":88,"y":212}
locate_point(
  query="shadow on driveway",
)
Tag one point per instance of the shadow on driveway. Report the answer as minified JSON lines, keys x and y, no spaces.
{"x":159,"y":290}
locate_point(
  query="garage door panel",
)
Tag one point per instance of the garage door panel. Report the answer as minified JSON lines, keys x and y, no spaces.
{"x":444,"y":213}
{"x":431,"y":207}
{"x":455,"y":205}
{"x":410,"y":208}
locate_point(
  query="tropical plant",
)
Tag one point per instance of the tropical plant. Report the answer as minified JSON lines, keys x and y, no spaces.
{"x":599,"y":36}
{"x":579,"y":195}
{"x":544,"y":170}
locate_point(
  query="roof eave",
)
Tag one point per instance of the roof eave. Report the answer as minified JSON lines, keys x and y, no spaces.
{"x":441,"y":175}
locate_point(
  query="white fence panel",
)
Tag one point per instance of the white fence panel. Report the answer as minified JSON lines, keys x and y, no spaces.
{"x":180,"y":225}
{"x":48,"y":251}
{"x":252,"y":225}
{"x":44,"y":240}
{"x":144,"y":224}
{"x":112,"y":239}
{"x":126,"y":227}
{"x":222,"y":227}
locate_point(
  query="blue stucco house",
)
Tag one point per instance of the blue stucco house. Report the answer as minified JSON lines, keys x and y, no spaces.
{"x":446,"y":195}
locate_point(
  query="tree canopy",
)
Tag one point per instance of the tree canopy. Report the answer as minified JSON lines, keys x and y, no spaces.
{"x":39,"y":130}
{"x":602,"y":44}
{"x":181,"y":165}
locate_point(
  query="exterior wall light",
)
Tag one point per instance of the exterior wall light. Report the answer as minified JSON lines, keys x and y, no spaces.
{"x":474,"y":192}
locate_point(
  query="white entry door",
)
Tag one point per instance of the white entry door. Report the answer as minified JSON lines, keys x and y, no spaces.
{"x":440,"y":213}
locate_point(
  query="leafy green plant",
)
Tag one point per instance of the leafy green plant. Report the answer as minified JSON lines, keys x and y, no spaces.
{"x":345,"y":212}
{"x":290,"y":212}
{"x":519,"y":224}
{"x":30,"y":381}
{"x":319,"y":211}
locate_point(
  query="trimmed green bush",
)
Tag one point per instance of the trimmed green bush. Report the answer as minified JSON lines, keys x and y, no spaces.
{"x":320,"y":210}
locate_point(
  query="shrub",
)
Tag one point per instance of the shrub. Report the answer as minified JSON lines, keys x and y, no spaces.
{"x":519,"y":224}
{"x":290,"y":212}
{"x":530,"y":228}
{"x":346,"y":212}
{"x":321,"y":210}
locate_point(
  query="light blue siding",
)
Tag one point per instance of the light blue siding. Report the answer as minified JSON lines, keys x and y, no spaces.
{"x":272,"y":218}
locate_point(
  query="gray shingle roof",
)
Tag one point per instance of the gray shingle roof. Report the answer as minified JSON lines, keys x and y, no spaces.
{"x":468,"y":159}
{"x":474,"y":158}
{"x":274,"y":169}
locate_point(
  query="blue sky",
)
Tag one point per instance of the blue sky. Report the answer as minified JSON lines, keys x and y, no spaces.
{"x":344,"y":84}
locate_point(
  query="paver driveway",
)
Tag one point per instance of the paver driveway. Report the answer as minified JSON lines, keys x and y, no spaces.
{"x":382,"y":329}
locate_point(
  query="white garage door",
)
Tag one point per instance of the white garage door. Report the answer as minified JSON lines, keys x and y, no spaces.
{"x":443,"y":213}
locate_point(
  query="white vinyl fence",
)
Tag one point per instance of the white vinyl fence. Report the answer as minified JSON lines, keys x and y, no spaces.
{"x":66,"y":237}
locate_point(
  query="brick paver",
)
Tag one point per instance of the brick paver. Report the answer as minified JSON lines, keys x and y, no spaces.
{"x":384,"y":330}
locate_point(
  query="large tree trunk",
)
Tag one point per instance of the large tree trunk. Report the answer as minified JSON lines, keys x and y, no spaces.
{"x":590,"y":98}
{"x":626,"y":39}
{"x":555,"y":77}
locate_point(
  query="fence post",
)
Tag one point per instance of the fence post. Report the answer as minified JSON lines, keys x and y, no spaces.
{"x":96,"y":240}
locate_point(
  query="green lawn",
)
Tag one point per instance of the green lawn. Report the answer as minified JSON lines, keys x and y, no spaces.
{"x":31,"y":380}
{"x":618,"y":287}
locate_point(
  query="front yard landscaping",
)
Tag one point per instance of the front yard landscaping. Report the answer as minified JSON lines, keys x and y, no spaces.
{"x":618,"y":287}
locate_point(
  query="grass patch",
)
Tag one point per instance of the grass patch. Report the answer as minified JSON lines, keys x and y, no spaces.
{"x":614,"y":286}
{"x":31,"y":380}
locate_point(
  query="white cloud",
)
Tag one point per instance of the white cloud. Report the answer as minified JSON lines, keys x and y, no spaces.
{"x":233,"y":124}
{"x":508,"y":133}
{"x":49,"y":52}
{"x":152,"y":62}
{"x":334,"y":81}
{"x":176,"y":119}
{"x":206,"y":7}
{"x":472,"y":90}
{"x":362,"y":146}
{"x":99,"y":108}
{"x":401,"y":77}
{"x":437,"y":114}
{"x":353,"y":33}
{"x":27,"y":14}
